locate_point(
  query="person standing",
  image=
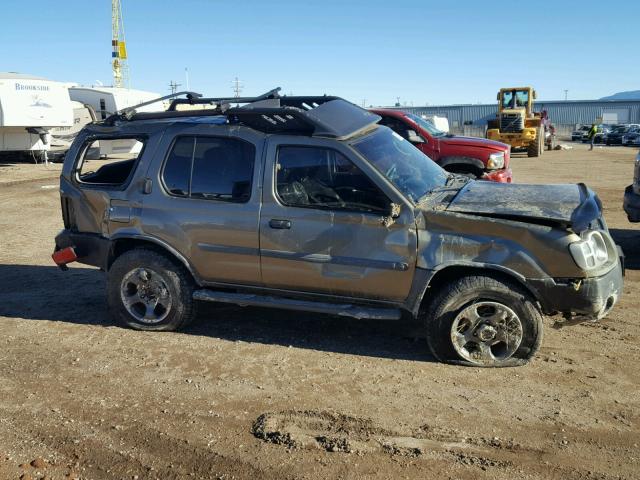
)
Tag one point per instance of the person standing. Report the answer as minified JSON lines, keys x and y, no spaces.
{"x":592,"y":134}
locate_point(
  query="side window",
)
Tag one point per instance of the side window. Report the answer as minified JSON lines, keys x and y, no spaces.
{"x":109,"y":161}
{"x":323,"y":178}
{"x":210,"y":168}
{"x":396,"y":125}
{"x":177,"y":169}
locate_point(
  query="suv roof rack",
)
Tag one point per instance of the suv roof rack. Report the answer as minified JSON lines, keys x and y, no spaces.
{"x":325,"y":116}
{"x":218,"y":101}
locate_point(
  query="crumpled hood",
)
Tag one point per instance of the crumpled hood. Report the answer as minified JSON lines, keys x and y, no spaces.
{"x":572,"y":206}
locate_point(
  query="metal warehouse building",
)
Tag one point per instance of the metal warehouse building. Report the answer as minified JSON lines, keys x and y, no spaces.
{"x":472,"y":119}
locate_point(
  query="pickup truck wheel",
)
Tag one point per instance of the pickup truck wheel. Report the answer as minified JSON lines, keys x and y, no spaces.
{"x":483,"y":321}
{"x":148,"y":291}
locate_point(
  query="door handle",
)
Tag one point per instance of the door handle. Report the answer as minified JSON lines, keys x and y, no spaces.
{"x":280,"y":224}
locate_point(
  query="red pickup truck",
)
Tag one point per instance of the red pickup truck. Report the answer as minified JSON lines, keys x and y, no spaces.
{"x":477,"y":157}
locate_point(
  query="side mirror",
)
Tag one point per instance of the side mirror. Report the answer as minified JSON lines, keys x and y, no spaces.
{"x":413,"y":137}
{"x":535,"y":95}
{"x":498,"y":96}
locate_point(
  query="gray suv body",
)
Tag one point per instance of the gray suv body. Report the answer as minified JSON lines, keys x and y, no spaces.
{"x":305,"y":203}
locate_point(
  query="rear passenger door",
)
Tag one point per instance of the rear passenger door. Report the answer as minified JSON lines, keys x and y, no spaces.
{"x":321,"y":225}
{"x":205,"y":205}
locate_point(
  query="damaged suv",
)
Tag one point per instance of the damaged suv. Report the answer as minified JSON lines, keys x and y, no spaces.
{"x":307,"y":204}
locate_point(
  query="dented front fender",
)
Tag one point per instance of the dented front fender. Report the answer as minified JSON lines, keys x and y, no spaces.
{"x":527,"y":250}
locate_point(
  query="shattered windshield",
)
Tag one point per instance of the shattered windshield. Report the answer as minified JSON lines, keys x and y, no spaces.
{"x":410,"y":170}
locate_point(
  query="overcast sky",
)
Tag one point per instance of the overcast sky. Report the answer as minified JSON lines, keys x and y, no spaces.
{"x":373,"y":51}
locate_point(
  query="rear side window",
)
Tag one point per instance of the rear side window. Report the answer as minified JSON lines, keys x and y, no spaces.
{"x":210,"y":168}
{"x":109,"y":162}
{"x":177,"y":170}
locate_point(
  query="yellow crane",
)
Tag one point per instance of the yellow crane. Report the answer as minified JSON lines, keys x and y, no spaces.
{"x":119,"y":47}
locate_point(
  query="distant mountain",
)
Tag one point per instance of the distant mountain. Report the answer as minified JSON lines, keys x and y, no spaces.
{"x":631,"y":95}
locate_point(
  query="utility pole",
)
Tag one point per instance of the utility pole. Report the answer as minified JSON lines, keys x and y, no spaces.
{"x":173,"y":86}
{"x":237,"y":87}
{"x":364,"y":102}
{"x":566,"y":95}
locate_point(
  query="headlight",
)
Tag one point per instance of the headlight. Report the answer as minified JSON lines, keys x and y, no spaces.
{"x":496,"y":161}
{"x":590,"y":252}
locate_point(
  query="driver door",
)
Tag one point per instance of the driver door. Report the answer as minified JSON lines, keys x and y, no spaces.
{"x":321,"y":225}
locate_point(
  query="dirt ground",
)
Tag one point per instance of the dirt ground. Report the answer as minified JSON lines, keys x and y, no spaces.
{"x":256,"y":393}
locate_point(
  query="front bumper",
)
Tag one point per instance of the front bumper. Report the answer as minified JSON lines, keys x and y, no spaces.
{"x":504,"y":175}
{"x":582,"y":299}
{"x":631,"y":204}
{"x":515,"y":139}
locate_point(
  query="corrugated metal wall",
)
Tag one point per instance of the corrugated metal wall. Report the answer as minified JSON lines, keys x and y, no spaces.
{"x":562,"y":114}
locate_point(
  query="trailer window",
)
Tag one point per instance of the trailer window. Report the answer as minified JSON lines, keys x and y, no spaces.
{"x":109,"y":161}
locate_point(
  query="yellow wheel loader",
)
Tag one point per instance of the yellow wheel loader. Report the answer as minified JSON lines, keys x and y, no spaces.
{"x":516,"y":123}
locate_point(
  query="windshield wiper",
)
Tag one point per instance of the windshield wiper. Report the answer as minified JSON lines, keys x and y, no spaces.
{"x":452,"y":181}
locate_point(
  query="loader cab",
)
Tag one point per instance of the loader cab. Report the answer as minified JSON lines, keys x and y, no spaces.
{"x":516,"y":99}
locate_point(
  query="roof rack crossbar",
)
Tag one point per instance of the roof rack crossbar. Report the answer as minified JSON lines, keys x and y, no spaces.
{"x":128,"y":112}
{"x":189,"y":95}
{"x":271,"y":94}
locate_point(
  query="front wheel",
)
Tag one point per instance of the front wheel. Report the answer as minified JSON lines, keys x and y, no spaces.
{"x":483,"y":321}
{"x":536,"y":147}
{"x":148,"y":291}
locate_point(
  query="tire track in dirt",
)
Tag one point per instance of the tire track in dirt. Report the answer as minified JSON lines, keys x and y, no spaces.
{"x":334,"y":432}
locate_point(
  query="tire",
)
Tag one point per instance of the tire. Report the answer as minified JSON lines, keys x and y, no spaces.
{"x":536,"y":147}
{"x":542,"y":137}
{"x":462,"y":173}
{"x":467,"y":314}
{"x":146,"y":278}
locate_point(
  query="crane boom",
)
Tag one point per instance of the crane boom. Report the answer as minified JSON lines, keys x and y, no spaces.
{"x":119,"y":47}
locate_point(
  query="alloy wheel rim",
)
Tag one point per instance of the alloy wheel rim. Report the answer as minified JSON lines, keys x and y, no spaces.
{"x":486,"y":333}
{"x":145,"y":296}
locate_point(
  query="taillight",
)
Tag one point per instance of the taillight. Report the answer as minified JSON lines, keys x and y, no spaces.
{"x":64,"y":256}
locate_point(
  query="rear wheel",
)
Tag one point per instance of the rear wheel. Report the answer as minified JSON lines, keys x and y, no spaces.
{"x":148,"y":291}
{"x":483,"y":321}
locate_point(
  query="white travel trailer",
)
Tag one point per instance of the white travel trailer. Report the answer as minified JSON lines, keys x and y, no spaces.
{"x":29,"y":108}
{"x":82,"y":115}
{"x":108,"y":100}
